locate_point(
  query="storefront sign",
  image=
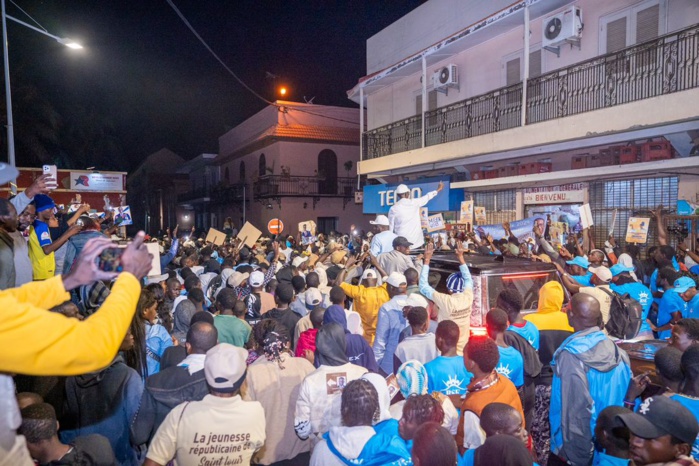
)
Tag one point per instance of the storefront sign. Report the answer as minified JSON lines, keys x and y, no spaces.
{"x":104,"y":182}
{"x":568,"y":193}
{"x":378,"y":199}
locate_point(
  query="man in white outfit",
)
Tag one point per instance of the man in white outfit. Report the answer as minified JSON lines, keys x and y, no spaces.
{"x":404,"y":216}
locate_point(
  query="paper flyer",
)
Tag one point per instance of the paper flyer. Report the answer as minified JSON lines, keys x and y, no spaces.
{"x":637,"y":230}
{"x":480,"y":215}
{"x":435,"y":223}
{"x":466,"y":213}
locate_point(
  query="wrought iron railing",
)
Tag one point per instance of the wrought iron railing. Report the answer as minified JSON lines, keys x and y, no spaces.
{"x":224,"y":194}
{"x":301,"y":186}
{"x":657,"y":67}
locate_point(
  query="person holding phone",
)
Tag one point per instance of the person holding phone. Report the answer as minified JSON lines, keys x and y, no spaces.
{"x":39,"y":342}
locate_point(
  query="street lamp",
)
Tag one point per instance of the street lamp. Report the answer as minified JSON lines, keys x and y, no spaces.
{"x":8,"y":94}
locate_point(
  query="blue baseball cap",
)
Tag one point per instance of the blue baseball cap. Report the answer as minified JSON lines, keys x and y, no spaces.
{"x":43,"y":202}
{"x":616,"y":269}
{"x":580,"y":262}
{"x":682,"y":284}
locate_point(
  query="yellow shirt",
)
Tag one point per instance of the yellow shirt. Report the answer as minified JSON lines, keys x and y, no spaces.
{"x":39,"y":342}
{"x":367,"y":301}
{"x":43,"y":265}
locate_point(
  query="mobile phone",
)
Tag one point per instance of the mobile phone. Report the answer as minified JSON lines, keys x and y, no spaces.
{"x":52,"y":171}
{"x":110,"y":259}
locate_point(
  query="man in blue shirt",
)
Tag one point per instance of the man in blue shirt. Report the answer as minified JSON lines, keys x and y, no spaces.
{"x":511,"y":363}
{"x":383,"y":240}
{"x":687,"y":289}
{"x":671,"y":305}
{"x":510,"y":301}
{"x":578,"y":271}
{"x":623,"y":283}
{"x":446,"y":373}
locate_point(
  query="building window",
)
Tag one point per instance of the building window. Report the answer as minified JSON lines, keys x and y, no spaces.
{"x":326,"y":225}
{"x":629,"y":198}
{"x":639,"y":23}
{"x":227,"y":175}
{"x":327,"y":172}
{"x":513,"y":69}
{"x":431,"y":105}
{"x":242,"y":172}
{"x":262,"y":169}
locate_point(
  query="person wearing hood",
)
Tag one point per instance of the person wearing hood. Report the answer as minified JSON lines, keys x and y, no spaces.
{"x":358,"y":350}
{"x":183,"y":317}
{"x":318,"y":404}
{"x":274,"y":380}
{"x":589,"y":373}
{"x":356,"y":441}
{"x":104,"y":402}
{"x":174,"y":385}
{"x":307,"y":339}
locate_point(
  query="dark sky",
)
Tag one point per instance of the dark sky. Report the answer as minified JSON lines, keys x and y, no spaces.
{"x":146,"y":72}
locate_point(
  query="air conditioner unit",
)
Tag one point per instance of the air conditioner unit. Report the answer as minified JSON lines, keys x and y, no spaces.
{"x":563,"y":27}
{"x":446,"y":77}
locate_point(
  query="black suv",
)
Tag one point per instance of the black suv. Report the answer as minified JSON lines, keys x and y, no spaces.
{"x":492,"y":274}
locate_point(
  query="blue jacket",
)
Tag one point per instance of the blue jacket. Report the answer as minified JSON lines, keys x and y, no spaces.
{"x":589,"y":373}
{"x":388,"y":327}
{"x":358,"y":350}
{"x":380,"y":450}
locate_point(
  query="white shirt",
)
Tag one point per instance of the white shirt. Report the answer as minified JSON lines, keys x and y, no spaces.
{"x":382,"y":242}
{"x":404,"y":218}
{"x":211,"y":428}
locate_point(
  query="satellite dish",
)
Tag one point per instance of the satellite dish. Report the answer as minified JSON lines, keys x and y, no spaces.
{"x":444,"y":75}
{"x":553,"y":28}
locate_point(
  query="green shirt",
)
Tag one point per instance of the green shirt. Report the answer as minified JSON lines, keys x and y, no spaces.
{"x":232,"y":330}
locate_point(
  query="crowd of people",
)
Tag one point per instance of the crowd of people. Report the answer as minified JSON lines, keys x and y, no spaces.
{"x":334,"y":349}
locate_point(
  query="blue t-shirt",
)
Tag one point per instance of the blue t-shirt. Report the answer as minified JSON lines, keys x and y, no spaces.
{"x":583,"y":280}
{"x":691,"y":311}
{"x":603,"y":459}
{"x":654,"y":278}
{"x":529,"y":332}
{"x":43,"y":233}
{"x":447,"y":375}
{"x":640,"y":293}
{"x":511,"y":365}
{"x":670,"y":303}
{"x":691,"y":404}
{"x":157,"y":341}
{"x":469,"y":458}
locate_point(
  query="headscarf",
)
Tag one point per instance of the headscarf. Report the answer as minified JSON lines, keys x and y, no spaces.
{"x":335,"y":314}
{"x":503,"y":450}
{"x":412,"y":378}
{"x":627,"y":261}
{"x":381,"y":387}
{"x":331,"y":346}
{"x":550,"y":297}
{"x":183,"y":318}
{"x":273,"y":346}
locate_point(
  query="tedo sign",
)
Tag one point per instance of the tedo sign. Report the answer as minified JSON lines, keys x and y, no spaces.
{"x":378,"y":199}
{"x":275,"y":226}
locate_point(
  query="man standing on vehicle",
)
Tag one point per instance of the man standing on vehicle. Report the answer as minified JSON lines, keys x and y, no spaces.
{"x":404,"y":216}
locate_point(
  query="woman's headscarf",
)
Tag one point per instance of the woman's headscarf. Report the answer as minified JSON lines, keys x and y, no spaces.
{"x":503,"y":450}
{"x":183,"y":319}
{"x":336,"y":315}
{"x":331,"y":346}
{"x":274,"y":345}
{"x":381,"y":387}
{"x":412,"y":378}
{"x":627,"y":261}
{"x":550,"y":297}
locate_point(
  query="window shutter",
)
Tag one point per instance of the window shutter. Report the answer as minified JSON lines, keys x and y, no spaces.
{"x":647,"y":24}
{"x":418,"y":105}
{"x":512,"y":68}
{"x":616,"y":35}
{"x":431,"y":100}
{"x":535,"y":64}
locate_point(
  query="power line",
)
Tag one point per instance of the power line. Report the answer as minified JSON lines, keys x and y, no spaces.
{"x":240,"y":81}
{"x":29,"y":16}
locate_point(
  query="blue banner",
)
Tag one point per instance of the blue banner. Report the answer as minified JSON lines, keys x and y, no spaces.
{"x":378,"y":199}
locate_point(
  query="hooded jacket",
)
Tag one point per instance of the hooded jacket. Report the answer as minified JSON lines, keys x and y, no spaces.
{"x":357,"y":349}
{"x":552,"y":324}
{"x":589,"y":373}
{"x":183,"y":318}
{"x":360,"y":445}
{"x":164,"y":391}
{"x":105,"y":403}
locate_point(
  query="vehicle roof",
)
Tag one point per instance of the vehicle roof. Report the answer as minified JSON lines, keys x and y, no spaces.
{"x":481,"y":264}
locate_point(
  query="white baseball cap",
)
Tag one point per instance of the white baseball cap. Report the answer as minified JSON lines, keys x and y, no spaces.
{"x":257,"y":278}
{"x":369,"y":273}
{"x":381,"y":219}
{"x":402,"y":189}
{"x":313,"y":297}
{"x":603,"y":273}
{"x":396,"y":279}
{"x":225,"y":368}
{"x":298,"y":260}
{"x":416,"y":300}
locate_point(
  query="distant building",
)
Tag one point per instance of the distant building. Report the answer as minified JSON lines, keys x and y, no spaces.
{"x":152,"y":192}
{"x":291,"y":161}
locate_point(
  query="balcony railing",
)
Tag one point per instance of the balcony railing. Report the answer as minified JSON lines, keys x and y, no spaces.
{"x":658,"y":67}
{"x":304,"y":186}
{"x":201,"y":194}
{"x":222,"y":194}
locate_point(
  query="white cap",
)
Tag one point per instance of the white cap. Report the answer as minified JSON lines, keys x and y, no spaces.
{"x":396,"y":279}
{"x":603,"y":273}
{"x":256,"y":279}
{"x":369,"y":273}
{"x":416,"y":300}
{"x":237,"y":278}
{"x":224,"y":367}
{"x":313,"y":297}
{"x":298,"y":260}
{"x":382,"y":219}
{"x":402,"y":189}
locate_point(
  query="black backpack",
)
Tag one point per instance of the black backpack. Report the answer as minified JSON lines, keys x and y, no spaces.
{"x":625,"y":316}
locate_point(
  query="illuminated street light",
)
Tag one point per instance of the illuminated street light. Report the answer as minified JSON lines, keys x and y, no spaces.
{"x":8,"y":93}
{"x":282,"y":91}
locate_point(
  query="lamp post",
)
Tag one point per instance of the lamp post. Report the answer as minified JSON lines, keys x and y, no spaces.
{"x":8,"y":93}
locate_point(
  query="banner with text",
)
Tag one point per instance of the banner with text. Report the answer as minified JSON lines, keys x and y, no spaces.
{"x":102,"y":182}
{"x":567,"y":193}
{"x":378,"y":199}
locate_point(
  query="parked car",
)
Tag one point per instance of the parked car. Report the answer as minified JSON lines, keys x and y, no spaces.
{"x":492,"y":274}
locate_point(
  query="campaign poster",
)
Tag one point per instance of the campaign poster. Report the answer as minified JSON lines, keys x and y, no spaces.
{"x":435,"y":223}
{"x":637,"y":230}
{"x":466,"y":213}
{"x":479,"y":213}
{"x":122,"y":216}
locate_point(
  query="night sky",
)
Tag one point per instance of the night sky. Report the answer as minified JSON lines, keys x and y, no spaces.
{"x":145,"y":78}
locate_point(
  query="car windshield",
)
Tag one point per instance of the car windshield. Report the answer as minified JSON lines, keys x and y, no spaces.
{"x":527,"y":284}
